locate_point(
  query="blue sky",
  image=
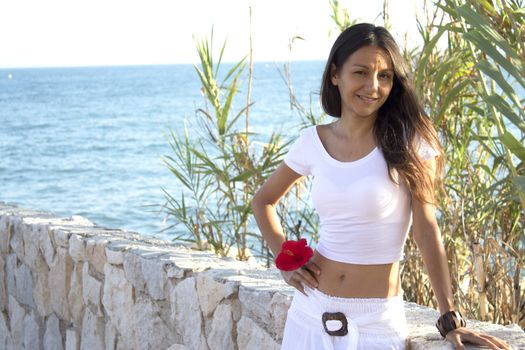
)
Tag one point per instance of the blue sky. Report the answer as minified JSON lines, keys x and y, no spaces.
{"x":57,"y":33}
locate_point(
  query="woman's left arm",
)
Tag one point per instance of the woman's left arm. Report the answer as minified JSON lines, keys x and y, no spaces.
{"x":430,"y":244}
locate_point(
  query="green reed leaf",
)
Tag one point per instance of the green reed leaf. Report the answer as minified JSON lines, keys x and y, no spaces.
{"x":495,"y":74}
{"x":513,"y":145}
{"x":482,"y":26}
{"x":425,"y":55}
{"x":503,"y":107}
{"x":487,"y":47}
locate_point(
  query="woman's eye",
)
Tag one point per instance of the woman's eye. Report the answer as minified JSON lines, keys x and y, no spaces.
{"x":359,"y":72}
{"x":385,"y":76}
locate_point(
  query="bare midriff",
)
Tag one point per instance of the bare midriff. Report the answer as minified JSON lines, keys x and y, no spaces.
{"x":357,"y":281}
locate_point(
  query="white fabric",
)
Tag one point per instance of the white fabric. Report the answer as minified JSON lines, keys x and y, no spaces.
{"x":373,"y":323}
{"x":364,"y":216}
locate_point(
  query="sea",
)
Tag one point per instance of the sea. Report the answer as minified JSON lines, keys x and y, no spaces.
{"x":89,"y":141}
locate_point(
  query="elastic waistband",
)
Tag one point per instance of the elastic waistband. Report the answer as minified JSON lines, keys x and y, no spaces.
{"x":354,"y":306}
{"x":366,"y":300}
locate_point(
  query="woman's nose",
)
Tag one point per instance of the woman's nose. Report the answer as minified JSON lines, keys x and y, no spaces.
{"x":372,"y":82}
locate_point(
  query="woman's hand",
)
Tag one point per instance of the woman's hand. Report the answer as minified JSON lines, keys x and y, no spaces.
{"x":460,"y":335}
{"x":306,"y":274}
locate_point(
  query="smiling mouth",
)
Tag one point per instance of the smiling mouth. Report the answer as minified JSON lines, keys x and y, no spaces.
{"x":368,"y":99}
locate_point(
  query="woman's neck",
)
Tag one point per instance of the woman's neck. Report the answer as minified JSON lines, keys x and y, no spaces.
{"x":354,"y":129}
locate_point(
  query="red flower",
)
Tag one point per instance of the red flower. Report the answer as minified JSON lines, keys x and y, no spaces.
{"x":293,"y":255}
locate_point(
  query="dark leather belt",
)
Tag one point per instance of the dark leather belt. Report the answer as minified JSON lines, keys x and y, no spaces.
{"x":339,"y":316}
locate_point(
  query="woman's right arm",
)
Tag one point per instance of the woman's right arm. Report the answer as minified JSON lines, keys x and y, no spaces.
{"x":263,"y":205}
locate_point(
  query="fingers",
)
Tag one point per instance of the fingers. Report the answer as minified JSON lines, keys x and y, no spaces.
{"x":299,"y":278}
{"x":311,"y":266}
{"x":455,"y":338}
{"x":306,"y":276}
{"x":463,"y":334}
{"x":295,"y":281}
{"x":491,"y":342}
{"x":499,"y":342}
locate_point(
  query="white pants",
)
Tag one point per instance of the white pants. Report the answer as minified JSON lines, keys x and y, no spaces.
{"x":373,"y":323}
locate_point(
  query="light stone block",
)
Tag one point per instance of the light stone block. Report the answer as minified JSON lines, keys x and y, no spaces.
{"x":47,"y":246}
{"x":41,"y":292}
{"x":32,"y":331}
{"x":278,"y":311}
{"x":212,"y":292}
{"x":30,"y":236}
{"x":17,"y":242}
{"x":75,"y":296}
{"x":118,"y":298}
{"x":187,"y":314}
{"x":24,"y":286}
{"x":61,"y":237}
{"x":59,"y":282}
{"x":92,"y":331}
{"x":91,"y":289}
{"x":72,"y":340}
{"x":10,"y":269}
{"x":149,"y":330}
{"x":77,"y":248}
{"x":221,"y":336}
{"x":155,"y":278}
{"x":133,"y":269}
{"x":96,"y":253}
{"x":114,"y":257}
{"x":250,"y":336}
{"x":110,"y":337}
{"x":173,"y":271}
{"x":16,"y":320}
{"x":52,"y":336}
{"x":256,"y":304}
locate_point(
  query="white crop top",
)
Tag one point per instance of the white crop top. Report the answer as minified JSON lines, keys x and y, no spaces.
{"x":364,"y":217}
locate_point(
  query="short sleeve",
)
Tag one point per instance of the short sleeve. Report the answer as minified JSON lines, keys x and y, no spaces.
{"x":296,"y":156}
{"x":425,"y":150}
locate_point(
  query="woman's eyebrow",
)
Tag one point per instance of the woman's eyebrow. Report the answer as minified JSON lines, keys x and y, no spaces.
{"x":361,"y":65}
{"x":367,"y":67}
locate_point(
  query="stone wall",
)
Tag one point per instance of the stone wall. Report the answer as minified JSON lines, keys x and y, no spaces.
{"x":68,"y":284}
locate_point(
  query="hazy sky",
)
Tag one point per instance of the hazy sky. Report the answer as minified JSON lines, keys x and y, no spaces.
{"x":43,"y":33}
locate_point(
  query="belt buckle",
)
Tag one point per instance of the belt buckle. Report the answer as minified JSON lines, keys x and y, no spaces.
{"x":339,"y":316}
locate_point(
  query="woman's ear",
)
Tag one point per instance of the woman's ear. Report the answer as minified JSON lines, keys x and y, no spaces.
{"x":333,"y":74}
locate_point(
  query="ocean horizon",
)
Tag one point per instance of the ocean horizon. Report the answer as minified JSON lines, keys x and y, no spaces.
{"x":88,"y":141}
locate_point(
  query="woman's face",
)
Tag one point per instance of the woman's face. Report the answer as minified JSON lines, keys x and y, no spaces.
{"x":364,"y":82}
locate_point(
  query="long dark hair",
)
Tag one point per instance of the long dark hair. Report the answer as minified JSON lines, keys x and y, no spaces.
{"x":401,"y":125}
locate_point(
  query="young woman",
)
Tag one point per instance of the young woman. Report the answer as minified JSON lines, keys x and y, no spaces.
{"x":374,"y":173}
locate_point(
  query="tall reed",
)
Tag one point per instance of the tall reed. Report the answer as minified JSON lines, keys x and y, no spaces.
{"x":219,"y":166}
{"x":473,"y":89}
